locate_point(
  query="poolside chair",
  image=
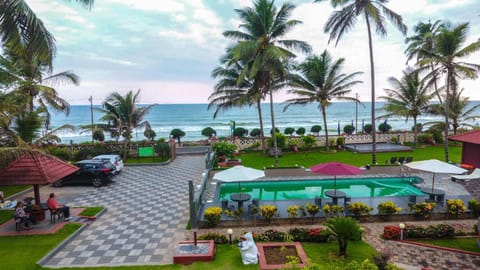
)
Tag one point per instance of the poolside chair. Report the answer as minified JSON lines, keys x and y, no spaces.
{"x":401,"y":160}
{"x":408,"y":159}
{"x":55,"y":214}
{"x":392,"y":160}
{"x":475,"y":175}
{"x":254,"y":205}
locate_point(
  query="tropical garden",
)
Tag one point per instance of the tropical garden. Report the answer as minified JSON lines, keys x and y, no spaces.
{"x":260,"y":62}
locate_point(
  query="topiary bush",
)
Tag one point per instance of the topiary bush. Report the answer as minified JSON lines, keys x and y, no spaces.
{"x":349,"y":129}
{"x":162,"y":148}
{"x":255,"y":132}
{"x":216,"y":237}
{"x":240,"y":132}
{"x":384,"y":128}
{"x":289,"y":131}
{"x":300,"y":131}
{"x":281,"y":140}
{"x":208,"y":132}
{"x":316,"y":129}
{"x":308,"y":141}
{"x":368,"y":128}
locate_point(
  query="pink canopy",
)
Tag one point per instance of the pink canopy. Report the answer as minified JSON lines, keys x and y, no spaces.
{"x":335,"y":168}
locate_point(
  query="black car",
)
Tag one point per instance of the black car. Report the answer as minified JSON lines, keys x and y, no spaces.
{"x":95,"y":172}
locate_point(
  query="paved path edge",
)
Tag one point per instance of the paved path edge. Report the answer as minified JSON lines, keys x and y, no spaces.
{"x":54,"y":251}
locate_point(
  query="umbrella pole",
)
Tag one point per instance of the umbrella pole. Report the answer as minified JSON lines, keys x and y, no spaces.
{"x":239,"y":189}
{"x":36,"y":192}
{"x":335,"y":185}
{"x":433,"y":181}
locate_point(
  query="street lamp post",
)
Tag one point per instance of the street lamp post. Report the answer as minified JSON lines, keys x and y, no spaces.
{"x":356,"y":113}
{"x":402,"y":226}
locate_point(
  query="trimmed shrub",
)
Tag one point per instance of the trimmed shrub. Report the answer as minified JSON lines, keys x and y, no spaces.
{"x":308,"y":141}
{"x":212,"y":215}
{"x":300,"y":131}
{"x":316,"y":129}
{"x":289,"y":131}
{"x":281,"y":140}
{"x":317,"y":235}
{"x":216,"y":237}
{"x":368,"y":128}
{"x":360,"y":209}
{"x":349,"y":129}
{"x":340,"y":141}
{"x":240,"y":132}
{"x":208,"y":132}
{"x":474,"y":207}
{"x":384,"y":128}
{"x":255,"y":132}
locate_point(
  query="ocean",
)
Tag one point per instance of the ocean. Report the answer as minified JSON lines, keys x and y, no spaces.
{"x":192,"y":118}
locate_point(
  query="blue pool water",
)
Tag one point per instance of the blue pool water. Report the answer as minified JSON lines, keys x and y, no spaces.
{"x":309,"y":189}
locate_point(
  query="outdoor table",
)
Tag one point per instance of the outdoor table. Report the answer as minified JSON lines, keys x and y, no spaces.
{"x":240,"y":198}
{"x":436,"y":195}
{"x":335,"y":195}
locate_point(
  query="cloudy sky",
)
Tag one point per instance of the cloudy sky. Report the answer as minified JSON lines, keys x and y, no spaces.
{"x":168,"y":48}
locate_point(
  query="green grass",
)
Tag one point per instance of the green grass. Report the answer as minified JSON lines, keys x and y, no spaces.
{"x":141,"y":160}
{"x":22,"y":252}
{"x":5,"y":215}
{"x":91,"y":211}
{"x":10,"y":190}
{"x":467,"y":244}
{"x":290,"y":159}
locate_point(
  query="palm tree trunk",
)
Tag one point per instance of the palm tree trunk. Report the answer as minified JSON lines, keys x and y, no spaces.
{"x":260,"y":119}
{"x":415,"y":132}
{"x":372,"y":79}
{"x":274,"y":132}
{"x":324,"y":115}
{"x":342,"y":246}
{"x":446,"y":109}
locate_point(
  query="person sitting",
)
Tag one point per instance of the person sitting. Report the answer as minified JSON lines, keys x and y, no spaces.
{"x":22,"y":217}
{"x":248,"y":249}
{"x":53,"y":204}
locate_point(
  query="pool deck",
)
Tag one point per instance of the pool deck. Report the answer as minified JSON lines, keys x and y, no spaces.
{"x":453,"y":190}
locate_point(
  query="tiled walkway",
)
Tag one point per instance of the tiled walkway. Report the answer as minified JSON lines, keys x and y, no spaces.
{"x":147,"y":211}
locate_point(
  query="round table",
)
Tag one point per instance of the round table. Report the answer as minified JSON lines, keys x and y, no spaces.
{"x":240,"y":198}
{"x":335,"y":195}
{"x":436,"y":195}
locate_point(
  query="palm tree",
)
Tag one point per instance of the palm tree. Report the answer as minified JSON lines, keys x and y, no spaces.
{"x":322,"y":81}
{"x":374,"y":11}
{"x":123,"y":112}
{"x":21,"y":31}
{"x":31,"y":83}
{"x":228,"y":93}
{"x":459,"y":112}
{"x":409,"y":97}
{"x":262,"y":48}
{"x":343,"y":229}
{"x":447,"y":58}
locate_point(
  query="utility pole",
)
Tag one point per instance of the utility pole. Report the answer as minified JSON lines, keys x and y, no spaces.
{"x":356,"y":113}
{"x":91,"y":115}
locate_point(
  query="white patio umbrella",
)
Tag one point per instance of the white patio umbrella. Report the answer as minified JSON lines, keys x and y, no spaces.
{"x":435,"y":166}
{"x":239,"y":174}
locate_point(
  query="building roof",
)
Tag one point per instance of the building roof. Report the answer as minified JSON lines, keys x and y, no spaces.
{"x":35,"y":168}
{"x":468,"y":137}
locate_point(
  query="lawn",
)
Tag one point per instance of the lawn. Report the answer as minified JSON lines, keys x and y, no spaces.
{"x":467,"y":244}
{"x":22,"y":252}
{"x":5,"y":215}
{"x":10,"y":190}
{"x":145,"y":160}
{"x":91,"y":211}
{"x":290,"y":159}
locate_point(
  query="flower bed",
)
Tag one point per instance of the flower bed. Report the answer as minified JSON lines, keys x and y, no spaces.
{"x":299,"y":259}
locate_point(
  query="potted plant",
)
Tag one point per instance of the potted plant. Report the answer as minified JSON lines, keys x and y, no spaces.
{"x":388,"y":208}
{"x":360,"y":209}
{"x":268,"y":211}
{"x":292,"y":211}
{"x":455,"y":207}
{"x":312,"y":209}
{"x":424,"y":209}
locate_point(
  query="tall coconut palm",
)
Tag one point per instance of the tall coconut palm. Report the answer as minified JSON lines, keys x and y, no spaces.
{"x":409,"y":97}
{"x":262,"y":47}
{"x":21,"y":30}
{"x":448,"y":57}
{"x":321,"y":82}
{"x":228,"y":93}
{"x":343,"y":20}
{"x":31,"y":82}
{"x":124,"y":113}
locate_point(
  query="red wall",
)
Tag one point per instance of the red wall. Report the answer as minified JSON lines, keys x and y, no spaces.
{"x":471,"y":154}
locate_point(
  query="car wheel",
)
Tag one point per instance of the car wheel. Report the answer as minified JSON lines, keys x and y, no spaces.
{"x":58,"y":183}
{"x":97,"y":182}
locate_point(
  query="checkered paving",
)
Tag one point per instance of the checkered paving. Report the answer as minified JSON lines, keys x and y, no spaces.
{"x":147,"y":212}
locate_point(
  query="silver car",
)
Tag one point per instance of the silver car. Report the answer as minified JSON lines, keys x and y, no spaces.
{"x":116,"y":160}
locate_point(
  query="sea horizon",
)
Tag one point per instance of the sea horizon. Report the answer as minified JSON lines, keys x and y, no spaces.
{"x":193,"y":117}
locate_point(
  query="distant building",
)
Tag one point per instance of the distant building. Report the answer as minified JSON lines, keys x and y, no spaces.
{"x":470,"y":147}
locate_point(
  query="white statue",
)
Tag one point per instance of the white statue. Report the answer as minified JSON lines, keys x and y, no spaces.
{"x":248,"y":249}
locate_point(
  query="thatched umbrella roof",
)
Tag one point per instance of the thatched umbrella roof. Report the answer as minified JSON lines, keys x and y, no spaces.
{"x":23,"y":166}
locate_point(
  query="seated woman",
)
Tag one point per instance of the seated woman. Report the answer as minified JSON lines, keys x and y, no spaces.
{"x":22,"y":217}
{"x":248,"y":249}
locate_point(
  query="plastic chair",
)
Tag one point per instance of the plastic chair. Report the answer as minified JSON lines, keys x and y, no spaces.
{"x":408,"y":159}
{"x":55,"y":214}
{"x":401,"y":160}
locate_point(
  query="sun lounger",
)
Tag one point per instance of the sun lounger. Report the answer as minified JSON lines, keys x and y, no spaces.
{"x":474,"y":175}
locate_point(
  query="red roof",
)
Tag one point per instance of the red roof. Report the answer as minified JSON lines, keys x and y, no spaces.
{"x":35,"y":168}
{"x":468,"y":137}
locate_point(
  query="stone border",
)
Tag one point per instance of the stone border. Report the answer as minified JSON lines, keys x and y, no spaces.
{"x":67,"y":240}
{"x":262,"y":262}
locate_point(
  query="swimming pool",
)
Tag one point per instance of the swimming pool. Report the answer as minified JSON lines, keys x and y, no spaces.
{"x":309,"y":189}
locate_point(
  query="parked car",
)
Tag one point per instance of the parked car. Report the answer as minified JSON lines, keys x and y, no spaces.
{"x":95,"y":172}
{"x":116,"y":160}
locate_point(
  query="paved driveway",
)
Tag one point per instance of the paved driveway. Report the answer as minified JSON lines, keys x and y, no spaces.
{"x":147,"y":212}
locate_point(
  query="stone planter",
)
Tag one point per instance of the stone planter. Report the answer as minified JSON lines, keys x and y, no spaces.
{"x":263,"y":263}
{"x":188,"y":253}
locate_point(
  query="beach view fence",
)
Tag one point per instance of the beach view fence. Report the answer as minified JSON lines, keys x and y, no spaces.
{"x":196,"y":196}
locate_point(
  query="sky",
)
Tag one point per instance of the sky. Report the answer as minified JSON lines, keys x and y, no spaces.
{"x":168,"y":48}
